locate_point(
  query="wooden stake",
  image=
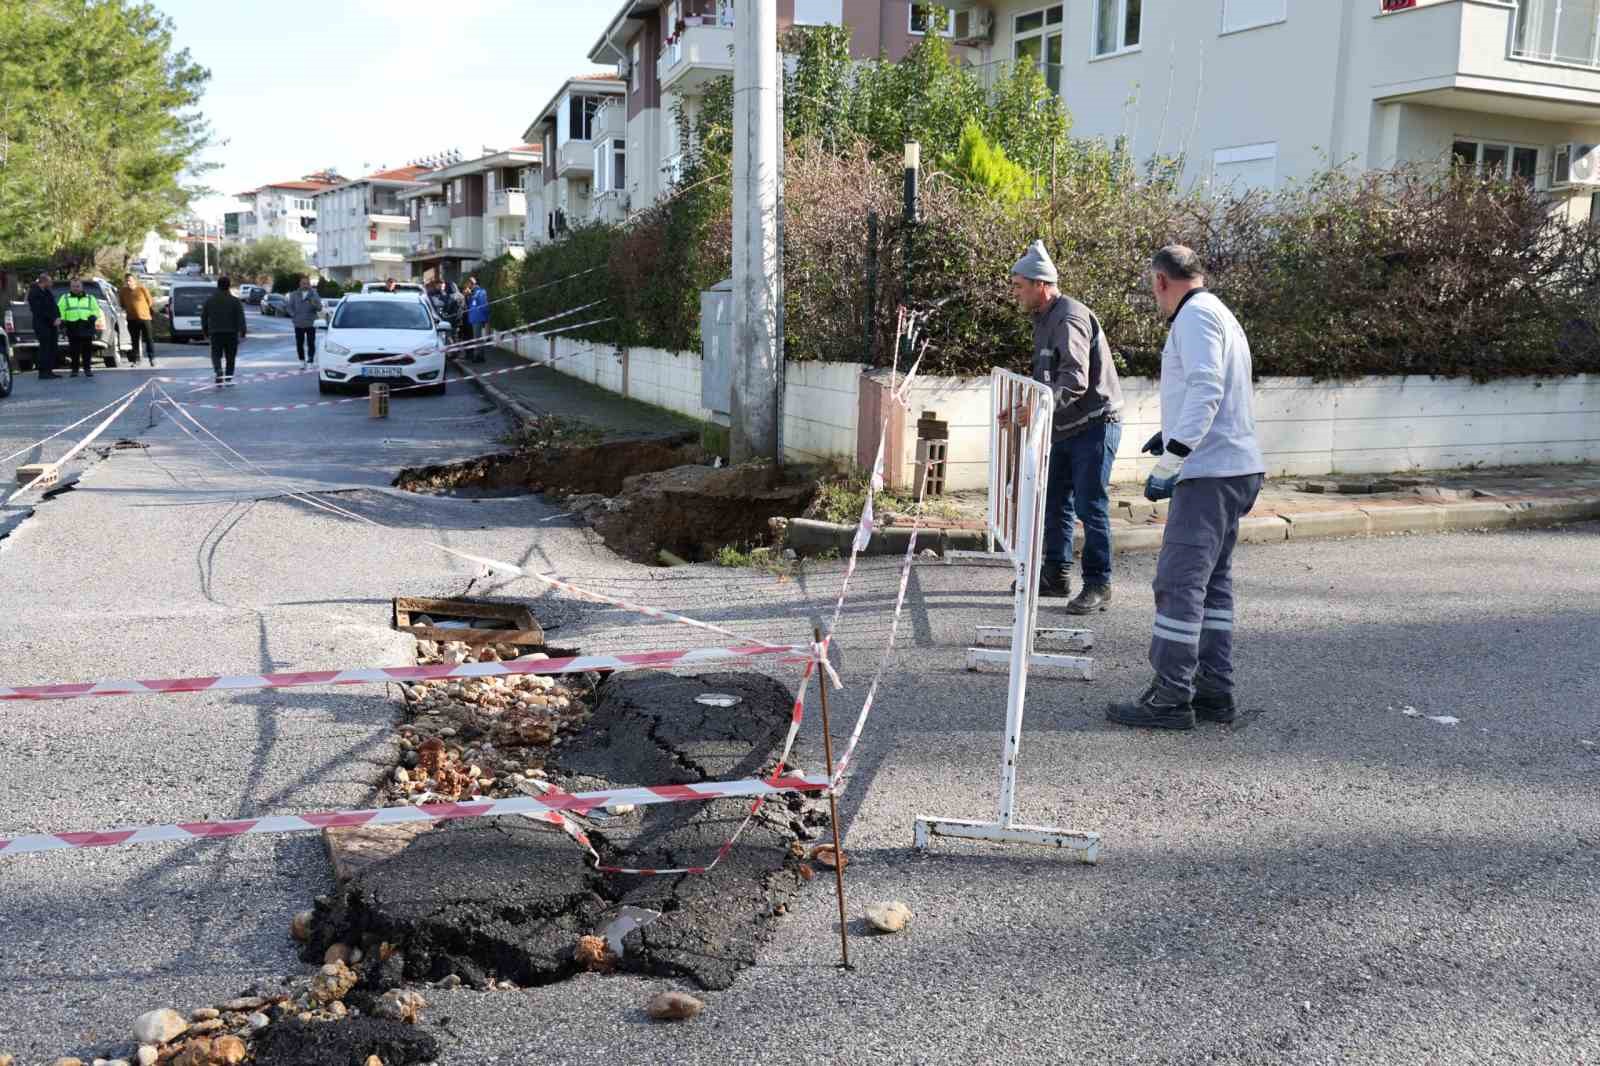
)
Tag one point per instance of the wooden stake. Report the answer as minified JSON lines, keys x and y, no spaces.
{"x":833,"y":807}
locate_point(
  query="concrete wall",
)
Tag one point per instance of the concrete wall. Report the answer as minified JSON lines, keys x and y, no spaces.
{"x":1367,"y":425}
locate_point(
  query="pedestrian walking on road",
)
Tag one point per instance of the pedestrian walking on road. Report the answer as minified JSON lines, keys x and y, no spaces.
{"x":42,"y":305}
{"x":135,"y":301}
{"x":1210,"y":466}
{"x":304,"y":306}
{"x":222,"y":320}
{"x":78,"y":316}
{"x":477,"y":317}
{"x":1072,"y":356}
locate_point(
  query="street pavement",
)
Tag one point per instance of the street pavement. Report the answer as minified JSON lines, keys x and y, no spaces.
{"x":1330,"y":881}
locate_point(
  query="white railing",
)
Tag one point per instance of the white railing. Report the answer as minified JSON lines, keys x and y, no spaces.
{"x":1557,"y":31}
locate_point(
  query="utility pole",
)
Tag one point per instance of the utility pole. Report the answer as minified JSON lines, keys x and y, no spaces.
{"x":757,"y":405}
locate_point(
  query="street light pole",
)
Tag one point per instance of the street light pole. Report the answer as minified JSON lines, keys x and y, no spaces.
{"x":756,"y":409}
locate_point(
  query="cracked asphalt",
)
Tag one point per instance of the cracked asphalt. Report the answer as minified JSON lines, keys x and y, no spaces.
{"x":1332,"y":881}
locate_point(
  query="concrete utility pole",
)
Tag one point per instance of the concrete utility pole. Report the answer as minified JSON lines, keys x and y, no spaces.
{"x":757,"y":410}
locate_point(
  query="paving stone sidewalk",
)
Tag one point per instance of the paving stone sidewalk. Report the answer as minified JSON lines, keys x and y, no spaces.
{"x":1290,"y":508}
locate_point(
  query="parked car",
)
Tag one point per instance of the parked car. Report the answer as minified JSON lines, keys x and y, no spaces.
{"x":183,"y":310}
{"x":399,"y":286}
{"x":111,"y":343}
{"x":7,"y":370}
{"x":274,"y":303}
{"x":252,"y":294}
{"x":330,"y":304}
{"x":384,"y":338}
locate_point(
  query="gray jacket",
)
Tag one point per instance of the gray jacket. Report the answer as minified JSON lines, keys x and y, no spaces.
{"x":1206,"y":391}
{"x":304,"y":306}
{"x":1072,"y":356}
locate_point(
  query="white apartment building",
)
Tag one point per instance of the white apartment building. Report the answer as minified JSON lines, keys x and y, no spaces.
{"x":471,"y":211}
{"x":364,"y":228}
{"x":584,"y":112}
{"x":1250,"y":93}
{"x":283,"y":209}
{"x":1254,"y":93}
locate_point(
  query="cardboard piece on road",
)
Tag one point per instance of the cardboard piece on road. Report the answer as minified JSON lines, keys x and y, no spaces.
{"x":51,"y":472}
{"x":519,"y":625}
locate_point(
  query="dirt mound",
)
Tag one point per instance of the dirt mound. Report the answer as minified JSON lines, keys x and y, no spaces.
{"x":692,"y":511}
{"x":595,"y":468}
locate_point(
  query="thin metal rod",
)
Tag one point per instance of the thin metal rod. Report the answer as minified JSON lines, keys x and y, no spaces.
{"x":833,"y":807}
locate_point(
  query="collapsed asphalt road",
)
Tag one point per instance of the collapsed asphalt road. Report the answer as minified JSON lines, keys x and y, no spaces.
{"x":508,"y":900}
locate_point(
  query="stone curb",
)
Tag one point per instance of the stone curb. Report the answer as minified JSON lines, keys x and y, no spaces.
{"x":512,"y":406}
{"x":811,"y":535}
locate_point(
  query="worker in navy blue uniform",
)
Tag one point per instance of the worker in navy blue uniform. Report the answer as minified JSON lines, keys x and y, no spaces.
{"x":1209,"y":464}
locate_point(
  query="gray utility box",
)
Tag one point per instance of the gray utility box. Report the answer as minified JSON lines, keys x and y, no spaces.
{"x":716,"y":341}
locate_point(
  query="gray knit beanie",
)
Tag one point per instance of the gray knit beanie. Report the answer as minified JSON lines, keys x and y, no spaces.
{"x":1036,"y":264}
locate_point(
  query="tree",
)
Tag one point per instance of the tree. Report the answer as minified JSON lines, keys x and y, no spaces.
{"x":985,"y":169}
{"x":270,"y":256}
{"x":97,"y":113}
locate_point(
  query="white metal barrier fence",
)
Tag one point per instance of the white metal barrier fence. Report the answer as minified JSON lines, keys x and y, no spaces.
{"x":1021,"y":411}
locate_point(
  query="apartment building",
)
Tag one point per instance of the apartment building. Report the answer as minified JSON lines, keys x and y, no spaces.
{"x":364,"y":228}
{"x":283,"y":209}
{"x":667,"y":51}
{"x":568,"y":130}
{"x":471,"y":211}
{"x":1254,"y":93}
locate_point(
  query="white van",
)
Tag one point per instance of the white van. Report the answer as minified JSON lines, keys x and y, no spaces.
{"x":183,"y":310}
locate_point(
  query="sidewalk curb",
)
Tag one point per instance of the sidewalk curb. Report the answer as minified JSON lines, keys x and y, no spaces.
{"x":510,"y":406}
{"x":811,"y":535}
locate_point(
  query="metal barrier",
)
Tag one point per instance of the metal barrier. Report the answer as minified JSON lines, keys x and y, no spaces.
{"x":1019,"y":462}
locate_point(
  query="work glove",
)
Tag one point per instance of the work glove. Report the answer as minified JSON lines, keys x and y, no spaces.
{"x":1164,"y":477}
{"x":1153,"y":446}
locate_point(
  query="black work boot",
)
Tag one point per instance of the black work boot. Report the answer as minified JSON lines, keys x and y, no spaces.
{"x":1214,"y":707}
{"x":1093,"y":598}
{"x":1152,"y":711}
{"x":1055,"y":582}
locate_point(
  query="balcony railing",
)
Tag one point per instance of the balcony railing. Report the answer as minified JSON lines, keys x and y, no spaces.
{"x":1558,"y":31}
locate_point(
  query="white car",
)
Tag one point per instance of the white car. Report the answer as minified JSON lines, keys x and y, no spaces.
{"x":399,"y":286}
{"x":382,"y":338}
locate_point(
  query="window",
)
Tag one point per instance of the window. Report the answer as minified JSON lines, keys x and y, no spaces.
{"x":635,"y":80}
{"x":580,"y":116}
{"x":918,"y":20}
{"x":1116,"y":26}
{"x":619,"y":159}
{"x":1245,"y":168}
{"x":1249,"y":14}
{"x":1037,"y":39}
{"x":1504,"y":161}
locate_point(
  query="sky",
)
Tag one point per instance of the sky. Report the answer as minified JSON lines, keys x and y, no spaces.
{"x":362,"y":84}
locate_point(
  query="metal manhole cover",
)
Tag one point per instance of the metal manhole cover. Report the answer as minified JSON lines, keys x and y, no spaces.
{"x":717,"y":699}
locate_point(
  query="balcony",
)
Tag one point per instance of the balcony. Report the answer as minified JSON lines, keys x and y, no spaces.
{"x":575,"y":159}
{"x":435,"y":217}
{"x":702,"y":51}
{"x":1535,"y":59}
{"x":508,"y":203}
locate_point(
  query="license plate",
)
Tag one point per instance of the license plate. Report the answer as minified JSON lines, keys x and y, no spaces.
{"x":382,"y":372}
{"x":186,"y":323}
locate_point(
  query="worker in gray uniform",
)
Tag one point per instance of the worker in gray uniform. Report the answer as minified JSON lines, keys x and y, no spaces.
{"x":1210,"y":466}
{"x":1073,"y":357}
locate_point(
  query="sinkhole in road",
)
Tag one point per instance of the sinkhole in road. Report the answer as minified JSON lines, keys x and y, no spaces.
{"x":558,"y":470}
{"x":508,"y":899}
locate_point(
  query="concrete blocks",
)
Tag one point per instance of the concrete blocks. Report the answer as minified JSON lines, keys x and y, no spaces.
{"x":1480,"y":515}
{"x":1406,"y":519}
{"x":1136,"y":539}
{"x":1346,"y":523}
{"x":1264,"y":529}
{"x":1555,"y":509}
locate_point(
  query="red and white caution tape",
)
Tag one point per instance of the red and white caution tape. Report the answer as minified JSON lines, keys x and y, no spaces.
{"x":652,"y":660}
{"x":68,"y":429}
{"x":277,"y":407}
{"x":547,"y":808}
{"x":527,"y":326}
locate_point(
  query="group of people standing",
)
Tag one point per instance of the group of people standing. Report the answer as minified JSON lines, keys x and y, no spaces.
{"x":76,"y":317}
{"x":466,"y":309}
{"x":1208,"y":464}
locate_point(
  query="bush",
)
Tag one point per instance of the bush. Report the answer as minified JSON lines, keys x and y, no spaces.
{"x":329,"y":288}
{"x":499,"y":276}
{"x":285,"y":283}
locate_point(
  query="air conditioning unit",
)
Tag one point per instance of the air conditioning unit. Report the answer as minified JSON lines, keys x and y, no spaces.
{"x":624,"y":68}
{"x":1582,"y":164}
{"x":974,"y":25}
